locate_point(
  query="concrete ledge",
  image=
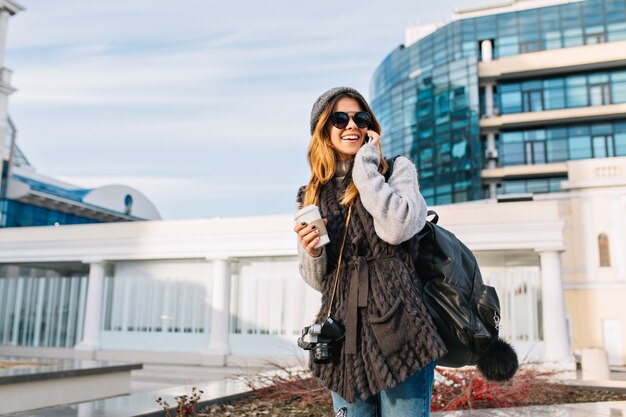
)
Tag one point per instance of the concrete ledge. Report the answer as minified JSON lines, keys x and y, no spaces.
{"x":37,"y":374}
{"x":144,"y":404}
{"x":61,"y":382}
{"x":609,"y":385}
{"x":41,"y":352}
{"x":556,"y":61}
{"x":174,"y":358}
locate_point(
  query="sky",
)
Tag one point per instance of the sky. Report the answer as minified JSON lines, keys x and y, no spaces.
{"x":201,"y":105}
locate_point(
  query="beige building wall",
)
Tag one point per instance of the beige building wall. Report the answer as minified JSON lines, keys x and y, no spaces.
{"x":589,"y":309}
{"x":595,"y":294}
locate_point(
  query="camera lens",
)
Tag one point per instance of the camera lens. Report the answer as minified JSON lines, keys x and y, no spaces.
{"x":322,"y":353}
{"x":315,"y":329}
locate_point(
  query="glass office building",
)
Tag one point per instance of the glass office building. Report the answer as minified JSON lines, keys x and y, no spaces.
{"x":496,"y":101}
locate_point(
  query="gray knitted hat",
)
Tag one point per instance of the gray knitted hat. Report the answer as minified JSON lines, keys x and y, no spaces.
{"x":323,"y":100}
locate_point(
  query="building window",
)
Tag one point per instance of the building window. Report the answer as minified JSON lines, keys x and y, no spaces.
{"x":533,"y":100}
{"x":595,"y":38}
{"x":530,"y":46}
{"x":426,"y":162}
{"x":603,"y":146}
{"x":128,"y":204}
{"x":535,"y":152}
{"x":603,"y":248}
{"x":600,"y":94}
{"x":534,"y":185}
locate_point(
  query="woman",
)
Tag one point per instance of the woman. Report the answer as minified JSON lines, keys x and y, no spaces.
{"x":387,"y":357}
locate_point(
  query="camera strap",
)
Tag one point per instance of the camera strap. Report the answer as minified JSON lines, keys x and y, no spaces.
{"x":345,"y":234}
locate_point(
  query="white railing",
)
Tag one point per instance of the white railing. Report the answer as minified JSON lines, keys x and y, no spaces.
{"x":519,"y":290}
{"x":166,"y":305}
{"x":42,"y":311}
{"x":269,"y":297}
{"x":157,"y":305}
{"x":168,"y":296}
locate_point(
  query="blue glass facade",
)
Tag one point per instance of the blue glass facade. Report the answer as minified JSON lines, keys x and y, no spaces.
{"x":18,"y":214}
{"x":577,"y":90}
{"x":562,"y":143}
{"x":429,"y":100}
{"x":533,"y":185}
{"x":433,"y":118}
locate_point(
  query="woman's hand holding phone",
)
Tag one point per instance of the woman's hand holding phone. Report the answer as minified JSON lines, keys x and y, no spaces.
{"x":372,"y":137}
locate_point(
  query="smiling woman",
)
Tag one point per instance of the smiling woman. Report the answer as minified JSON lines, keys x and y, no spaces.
{"x":372,"y":321}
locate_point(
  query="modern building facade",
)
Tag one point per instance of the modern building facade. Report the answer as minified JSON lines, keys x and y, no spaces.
{"x":496,"y":101}
{"x":525,"y":100}
{"x":31,"y":199}
{"x":28,"y":198}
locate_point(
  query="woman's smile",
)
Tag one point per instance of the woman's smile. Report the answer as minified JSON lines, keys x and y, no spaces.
{"x":351,"y":137}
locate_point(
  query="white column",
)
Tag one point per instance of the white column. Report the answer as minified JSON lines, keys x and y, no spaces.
{"x":491,"y":151}
{"x":5,"y":90}
{"x":491,"y":157}
{"x":489,"y":99}
{"x":590,"y":239}
{"x":616,"y":237}
{"x":555,"y":338}
{"x":4,"y":26}
{"x":486,"y":49}
{"x":93,"y":309}
{"x":218,"y":347}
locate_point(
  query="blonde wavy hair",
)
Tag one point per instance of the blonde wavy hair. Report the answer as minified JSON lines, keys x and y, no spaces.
{"x":322,"y":156}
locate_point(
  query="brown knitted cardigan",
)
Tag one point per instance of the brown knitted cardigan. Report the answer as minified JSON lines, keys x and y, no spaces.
{"x":389,"y":333}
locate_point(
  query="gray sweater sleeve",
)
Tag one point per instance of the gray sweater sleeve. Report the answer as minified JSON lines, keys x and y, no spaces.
{"x":397,"y":206}
{"x":312,"y":269}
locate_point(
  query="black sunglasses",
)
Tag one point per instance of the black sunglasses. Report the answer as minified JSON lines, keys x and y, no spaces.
{"x":341,"y":119}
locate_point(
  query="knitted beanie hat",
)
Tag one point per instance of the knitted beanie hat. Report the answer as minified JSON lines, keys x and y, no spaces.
{"x":323,"y":100}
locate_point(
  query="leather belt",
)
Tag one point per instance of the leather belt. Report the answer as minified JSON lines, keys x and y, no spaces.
{"x":359,"y":288}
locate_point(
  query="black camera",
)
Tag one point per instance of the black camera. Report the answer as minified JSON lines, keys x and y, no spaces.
{"x":318,"y":338}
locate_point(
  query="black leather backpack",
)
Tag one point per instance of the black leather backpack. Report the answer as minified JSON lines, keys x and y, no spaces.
{"x":465,"y":311}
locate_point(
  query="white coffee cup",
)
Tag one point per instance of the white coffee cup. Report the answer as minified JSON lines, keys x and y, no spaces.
{"x":311,"y":216}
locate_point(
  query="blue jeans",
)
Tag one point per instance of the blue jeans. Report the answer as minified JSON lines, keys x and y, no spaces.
{"x":410,"y":398}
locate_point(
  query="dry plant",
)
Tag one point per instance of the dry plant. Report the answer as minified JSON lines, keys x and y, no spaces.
{"x":185,"y":404}
{"x":293,"y":385}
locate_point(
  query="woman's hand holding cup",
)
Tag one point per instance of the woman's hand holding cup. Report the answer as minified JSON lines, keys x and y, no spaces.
{"x":309,"y":236}
{"x":311,"y":230}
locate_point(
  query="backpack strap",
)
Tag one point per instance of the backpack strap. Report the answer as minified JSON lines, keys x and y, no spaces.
{"x":433,"y":213}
